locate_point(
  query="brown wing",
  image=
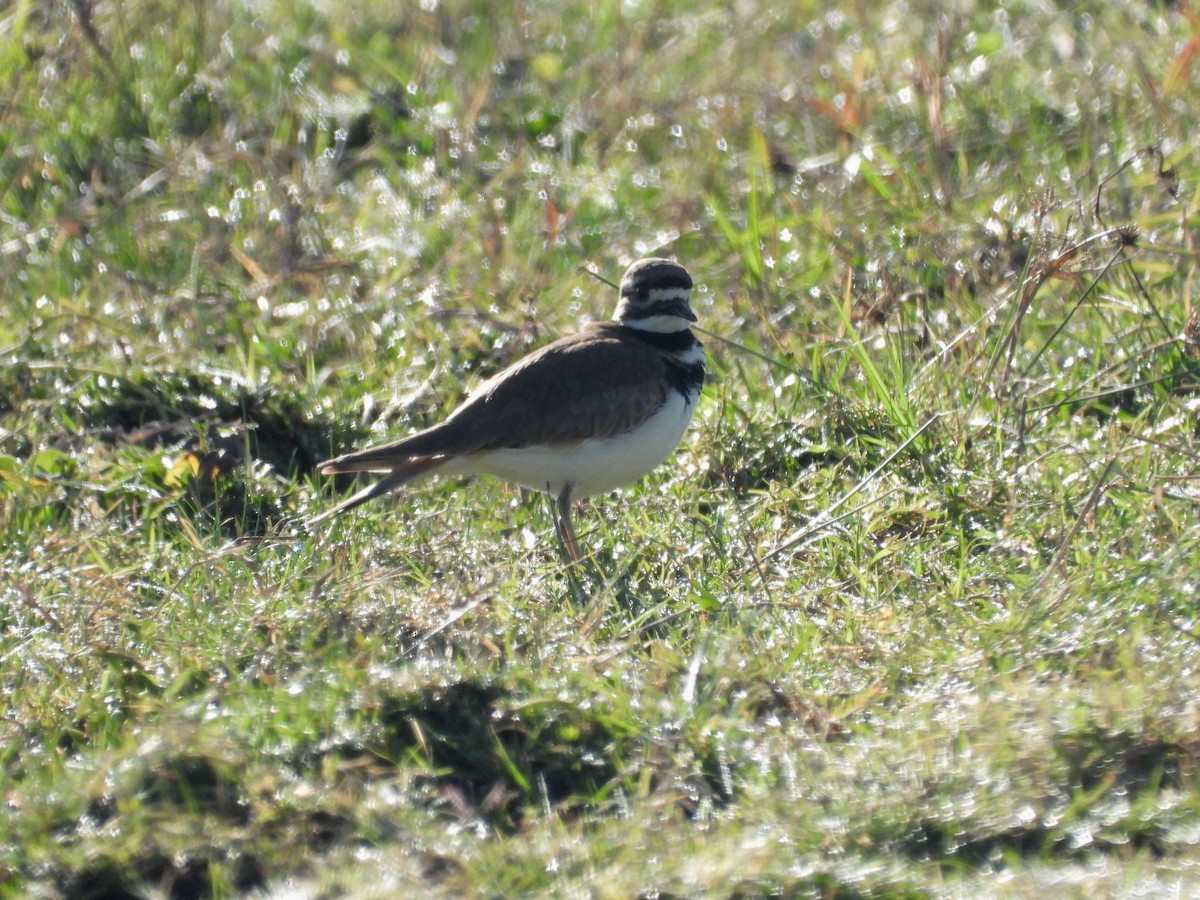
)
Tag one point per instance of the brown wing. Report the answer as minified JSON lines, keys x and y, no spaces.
{"x":591,"y":384}
{"x":588,"y":385}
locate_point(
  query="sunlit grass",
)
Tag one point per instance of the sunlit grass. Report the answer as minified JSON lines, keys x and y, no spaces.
{"x":911,"y":611}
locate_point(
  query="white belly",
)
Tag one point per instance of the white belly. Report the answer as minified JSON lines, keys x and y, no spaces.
{"x":592,"y":466}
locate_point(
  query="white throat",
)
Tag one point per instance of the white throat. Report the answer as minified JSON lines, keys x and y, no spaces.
{"x":659,"y":324}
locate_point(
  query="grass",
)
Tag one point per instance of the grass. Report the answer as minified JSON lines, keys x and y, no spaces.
{"x":912,"y":611}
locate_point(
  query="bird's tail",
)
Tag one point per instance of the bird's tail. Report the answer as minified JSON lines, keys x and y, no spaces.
{"x":401,"y":474}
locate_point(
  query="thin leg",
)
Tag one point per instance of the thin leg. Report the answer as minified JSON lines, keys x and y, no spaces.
{"x":562,"y":525}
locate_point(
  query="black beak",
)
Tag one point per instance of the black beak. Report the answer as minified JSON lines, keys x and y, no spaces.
{"x":680,"y":308}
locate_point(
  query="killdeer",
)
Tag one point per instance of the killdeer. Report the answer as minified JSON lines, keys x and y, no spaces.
{"x":585,"y":414}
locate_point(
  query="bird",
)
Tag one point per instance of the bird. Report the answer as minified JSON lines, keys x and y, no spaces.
{"x":586,"y":414}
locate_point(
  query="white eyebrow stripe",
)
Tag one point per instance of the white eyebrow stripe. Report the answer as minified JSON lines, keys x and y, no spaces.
{"x":658,"y":295}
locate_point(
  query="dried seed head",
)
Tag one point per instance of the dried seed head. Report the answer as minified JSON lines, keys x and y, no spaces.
{"x":1127,"y":235}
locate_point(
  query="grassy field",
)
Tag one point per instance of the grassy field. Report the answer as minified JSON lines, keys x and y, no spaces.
{"x":912,"y":612}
